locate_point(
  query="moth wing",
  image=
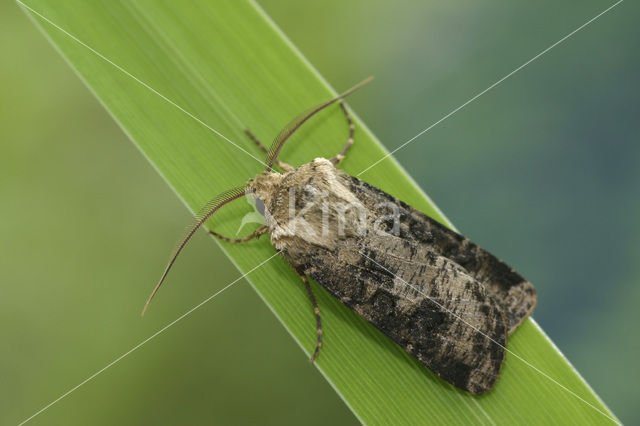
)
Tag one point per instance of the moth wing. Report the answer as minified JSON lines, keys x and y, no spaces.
{"x":515,"y":295}
{"x":424,"y":302}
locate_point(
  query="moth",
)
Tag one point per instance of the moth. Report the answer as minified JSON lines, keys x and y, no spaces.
{"x":446,"y":301}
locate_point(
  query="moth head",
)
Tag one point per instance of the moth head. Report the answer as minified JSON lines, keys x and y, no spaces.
{"x":263,"y":187}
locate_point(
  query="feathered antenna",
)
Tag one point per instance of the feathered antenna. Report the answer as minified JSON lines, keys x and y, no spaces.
{"x":205,"y":214}
{"x":295,"y":124}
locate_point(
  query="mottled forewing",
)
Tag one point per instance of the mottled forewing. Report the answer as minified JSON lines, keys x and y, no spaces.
{"x":515,"y":295}
{"x":424,"y":302}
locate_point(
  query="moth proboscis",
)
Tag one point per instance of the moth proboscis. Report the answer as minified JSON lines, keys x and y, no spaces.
{"x":446,"y":301}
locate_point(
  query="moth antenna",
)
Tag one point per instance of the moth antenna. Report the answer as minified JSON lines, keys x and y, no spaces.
{"x":295,"y":124}
{"x":200,"y":219}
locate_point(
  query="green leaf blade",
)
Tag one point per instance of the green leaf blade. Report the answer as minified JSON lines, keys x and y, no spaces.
{"x":226,"y":65}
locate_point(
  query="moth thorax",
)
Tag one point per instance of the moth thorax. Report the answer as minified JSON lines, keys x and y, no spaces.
{"x":311,"y":205}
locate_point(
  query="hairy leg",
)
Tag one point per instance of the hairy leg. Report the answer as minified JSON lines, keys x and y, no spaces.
{"x":316,"y":311}
{"x":256,"y":234}
{"x":340,"y":156}
{"x":284,"y":166}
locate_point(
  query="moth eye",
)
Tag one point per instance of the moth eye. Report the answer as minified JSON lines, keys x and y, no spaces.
{"x":260,"y":205}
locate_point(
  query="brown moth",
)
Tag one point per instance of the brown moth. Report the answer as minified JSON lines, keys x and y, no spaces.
{"x":446,"y":301}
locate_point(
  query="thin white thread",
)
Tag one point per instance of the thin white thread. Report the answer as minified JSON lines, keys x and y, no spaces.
{"x":477,"y":404}
{"x":260,"y":161}
{"x":465,"y":401}
{"x":88,"y":379}
{"x":127,"y":73}
{"x":494,"y":341}
{"x":491,"y":87}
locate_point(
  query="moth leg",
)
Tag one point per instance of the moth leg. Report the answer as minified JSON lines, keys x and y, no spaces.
{"x":284,"y":166}
{"x":256,"y":234}
{"x":316,"y":310}
{"x":340,"y":156}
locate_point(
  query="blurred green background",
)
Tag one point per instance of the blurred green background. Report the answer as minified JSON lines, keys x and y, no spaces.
{"x":542,"y":170}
